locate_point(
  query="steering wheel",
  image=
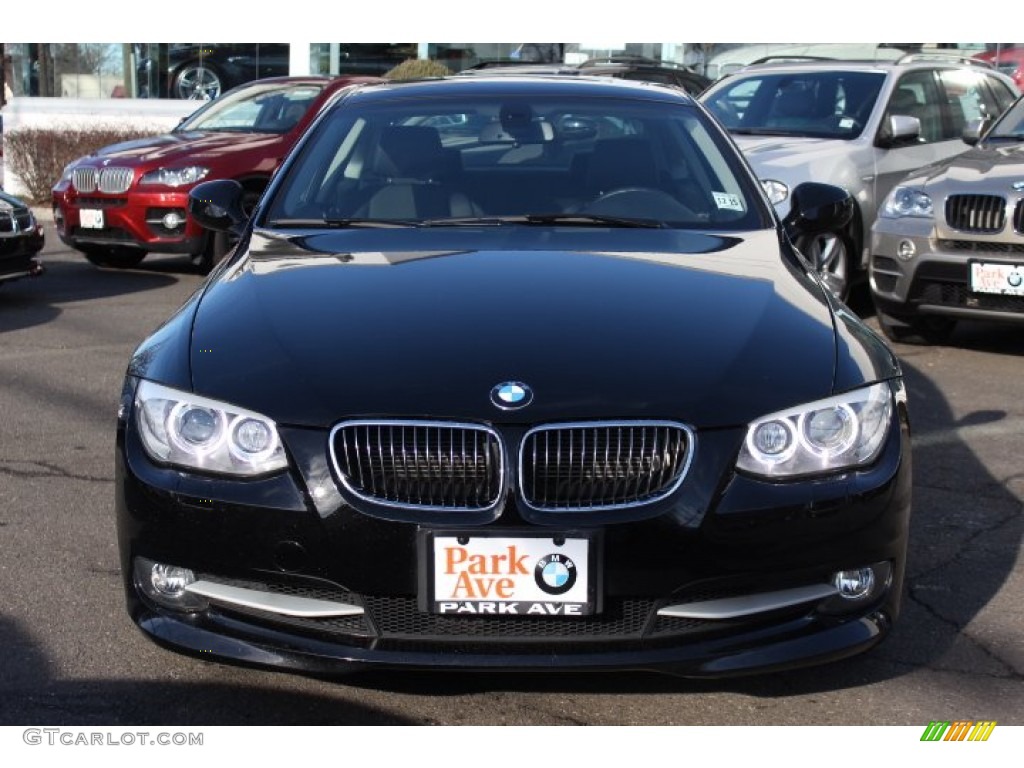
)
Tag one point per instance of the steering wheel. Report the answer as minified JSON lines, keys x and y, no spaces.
{"x":641,"y":202}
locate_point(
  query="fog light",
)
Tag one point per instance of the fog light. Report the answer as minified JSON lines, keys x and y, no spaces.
{"x":906,"y":250}
{"x":853,"y":585}
{"x":167,"y":585}
{"x":170,"y":580}
{"x":172,"y":220}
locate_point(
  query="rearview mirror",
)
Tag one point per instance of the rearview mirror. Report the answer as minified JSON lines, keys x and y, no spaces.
{"x":217,"y":205}
{"x":974,"y":130}
{"x":899,"y":130}
{"x":818,"y":209}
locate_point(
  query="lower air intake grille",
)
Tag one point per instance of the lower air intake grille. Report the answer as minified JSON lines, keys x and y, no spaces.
{"x":426,"y":465}
{"x":589,"y":466}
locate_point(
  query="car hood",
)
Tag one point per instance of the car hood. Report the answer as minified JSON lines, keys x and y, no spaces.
{"x":710,"y":330}
{"x":987,"y":169}
{"x":782,"y":152}
{"x":189,"y":146}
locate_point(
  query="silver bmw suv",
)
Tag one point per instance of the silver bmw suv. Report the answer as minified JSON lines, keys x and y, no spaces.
{"x":949,"y":239}
{"x":858,"y":125}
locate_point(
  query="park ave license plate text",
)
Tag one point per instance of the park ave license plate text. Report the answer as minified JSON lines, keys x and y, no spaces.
{"x":502,"y":576}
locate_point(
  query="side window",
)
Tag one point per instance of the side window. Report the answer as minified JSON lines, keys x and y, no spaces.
{"x":967,"y":99}
{"x":1001,"y":92}
{"x":917,"y":95}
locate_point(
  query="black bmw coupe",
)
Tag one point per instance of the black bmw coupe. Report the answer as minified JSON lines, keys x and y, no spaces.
{"x":514,"y":372}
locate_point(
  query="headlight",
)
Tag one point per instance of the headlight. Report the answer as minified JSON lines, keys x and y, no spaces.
{"x":195,"y":432}
{"x":776,"y":190}
{"x":175,"y":177}
{"x":907,"y":201}
{"x":826,"y":436}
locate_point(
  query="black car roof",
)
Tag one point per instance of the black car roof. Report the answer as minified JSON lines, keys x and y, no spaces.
{"x":514,"y":85}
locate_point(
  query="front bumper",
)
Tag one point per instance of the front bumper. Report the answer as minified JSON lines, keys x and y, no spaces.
{"x":134,"y":219}
{"x":18,"y":251}
{"x":275,"y":537}
{"x":936,"y":280}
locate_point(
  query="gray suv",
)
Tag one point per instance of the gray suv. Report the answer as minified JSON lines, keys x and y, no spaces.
{"x":859,"y":125}
{"x":949,"y":239}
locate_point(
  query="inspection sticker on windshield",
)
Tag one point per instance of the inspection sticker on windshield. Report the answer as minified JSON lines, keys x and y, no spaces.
{"x":728,"y":202}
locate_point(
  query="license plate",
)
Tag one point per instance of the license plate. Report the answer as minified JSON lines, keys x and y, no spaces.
{"x":90,"y":218}
{"x":511,"y":576}
{"x":1006,"y":279}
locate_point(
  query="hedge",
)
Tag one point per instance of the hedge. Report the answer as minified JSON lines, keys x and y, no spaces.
{"x":38,"y":156}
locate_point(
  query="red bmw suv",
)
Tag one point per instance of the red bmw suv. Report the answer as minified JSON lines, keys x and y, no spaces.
{"x":129,"y":199}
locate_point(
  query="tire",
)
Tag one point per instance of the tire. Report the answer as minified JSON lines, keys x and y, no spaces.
{"x":196,"y":80}
{"x":116,"y":257}
{"x":917,"y":330}
{"x":830,"y":256}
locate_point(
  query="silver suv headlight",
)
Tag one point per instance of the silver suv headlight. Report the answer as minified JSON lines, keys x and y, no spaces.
{"x":777,"y":191}
{"x":837,"y":433}
{"x":195,"y":432}
{"x":907,"y":201}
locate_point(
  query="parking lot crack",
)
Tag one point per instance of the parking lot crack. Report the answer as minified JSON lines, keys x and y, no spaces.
{"x":963,"y":552}
{"x":41,"y":469}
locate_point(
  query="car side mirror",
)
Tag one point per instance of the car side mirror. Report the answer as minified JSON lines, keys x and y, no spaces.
{"x":899,"y":130}
{"x":217,"y":205}
{"x":817,"y":209}
{"x":974,"y":130}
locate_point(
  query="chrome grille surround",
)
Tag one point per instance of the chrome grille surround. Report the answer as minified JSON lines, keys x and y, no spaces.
{"x":976,"y":213}
{"x":1018,"y":217}
{"x":616,"y":480}
{"x":451,"y":467}
{"x":114,"y":181}
{"x":110,"y":181}
{"x":85,"y":180}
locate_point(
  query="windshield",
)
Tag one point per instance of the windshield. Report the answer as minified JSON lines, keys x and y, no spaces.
{"x":259,"y":109}
{"x":518,"y":160}
{"x":1011,"y":124}
{"x":832,"y":105}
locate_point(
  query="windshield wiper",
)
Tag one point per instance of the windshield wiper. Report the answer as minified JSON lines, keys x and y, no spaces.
{"x":338,"y":223}
{"x":1005,"y":137}
{"x":545,"y":219}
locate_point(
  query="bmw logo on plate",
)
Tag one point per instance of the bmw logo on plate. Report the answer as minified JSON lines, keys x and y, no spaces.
{"x":511,"y":394}
{"x":555,"y":574}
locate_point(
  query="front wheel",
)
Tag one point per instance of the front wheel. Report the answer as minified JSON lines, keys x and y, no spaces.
{"x":829,"y":254}
{"x":116,"y":257}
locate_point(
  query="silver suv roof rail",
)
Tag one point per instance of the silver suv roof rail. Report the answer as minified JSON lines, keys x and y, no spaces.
{"x":952,"y":58}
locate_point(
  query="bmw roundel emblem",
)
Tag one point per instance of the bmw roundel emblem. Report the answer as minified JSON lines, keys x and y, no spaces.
{"x":1015,"y":279}
{"x":555,"y":574}
{"x":511,"y":394}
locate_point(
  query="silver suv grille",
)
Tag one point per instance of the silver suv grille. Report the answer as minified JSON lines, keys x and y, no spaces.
{"x":976,"y":213}
{"x":112,"y":181}
{"x":442,"y":466}
{"x":602,"y":465}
